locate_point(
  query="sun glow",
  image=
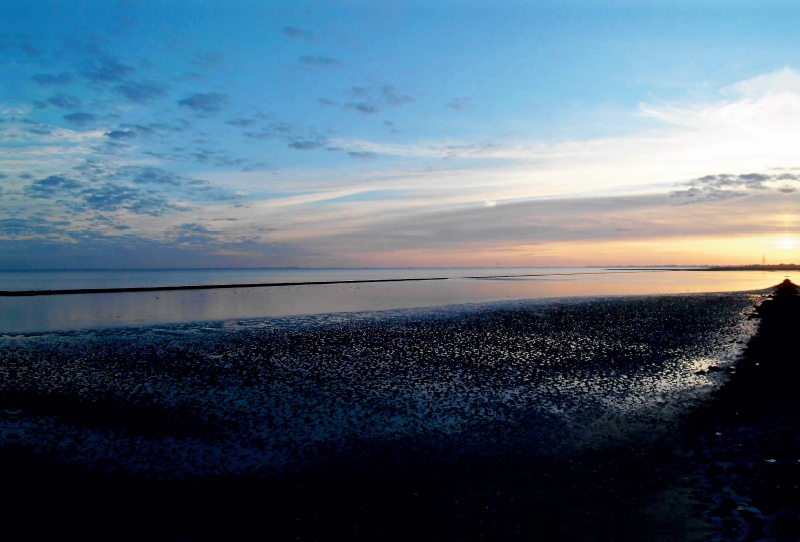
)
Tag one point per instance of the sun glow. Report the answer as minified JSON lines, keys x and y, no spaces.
{"x":787,"y":242}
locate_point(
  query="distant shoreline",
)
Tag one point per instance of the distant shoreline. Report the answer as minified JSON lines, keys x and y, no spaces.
{"x":755,"y":267}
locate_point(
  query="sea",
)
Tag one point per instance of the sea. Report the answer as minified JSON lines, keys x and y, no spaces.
{"x":342,"y":291}
{"x":263,"y":380}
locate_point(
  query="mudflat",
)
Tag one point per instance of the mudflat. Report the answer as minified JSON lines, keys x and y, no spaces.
{"x":704,"y":472}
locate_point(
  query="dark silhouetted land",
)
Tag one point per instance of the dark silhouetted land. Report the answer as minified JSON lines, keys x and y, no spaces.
{"x":756,"y":267}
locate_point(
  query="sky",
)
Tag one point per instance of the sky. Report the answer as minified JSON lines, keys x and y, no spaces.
{"x":144,"y":134}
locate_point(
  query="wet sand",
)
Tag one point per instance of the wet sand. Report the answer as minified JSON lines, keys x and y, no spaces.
{"x":668,"y":481}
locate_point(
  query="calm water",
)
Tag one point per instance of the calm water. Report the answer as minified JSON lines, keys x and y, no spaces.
{"x":68,"y":279}
{"x":65,"y":312}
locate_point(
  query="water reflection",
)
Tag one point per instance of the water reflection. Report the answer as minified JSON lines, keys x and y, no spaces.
{"x":63,"y":312}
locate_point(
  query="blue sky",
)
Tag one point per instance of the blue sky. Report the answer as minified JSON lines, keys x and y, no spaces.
{"x":181,"y":134}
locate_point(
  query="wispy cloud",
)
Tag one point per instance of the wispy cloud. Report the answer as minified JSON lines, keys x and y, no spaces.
{"x":106,"y":70}
{"x":458,"y":103}
{"x":206,"y":103}
{"x":371,"y":99}
{"x":306,"y":145}
{"x":80,"y":118}
{"x":298,"y":33}
{"x":362,"y":155}
{"x":392,"y":97}
{"x":320,"y":60}
{"x":142,"y":92}
{"x":65,"y":101}
{"x":52,"y":80}
{"x":241,"y":123}
{"x":207,"y":59}
{"x":363,"y":107}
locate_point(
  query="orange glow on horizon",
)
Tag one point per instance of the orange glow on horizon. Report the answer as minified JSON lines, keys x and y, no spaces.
{"x":733,"y":250}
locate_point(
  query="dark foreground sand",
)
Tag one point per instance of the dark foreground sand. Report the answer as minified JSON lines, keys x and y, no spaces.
{"x":727,"y":472}
{"x":745,"y":445}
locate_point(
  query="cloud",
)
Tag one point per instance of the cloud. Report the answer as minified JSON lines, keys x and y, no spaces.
{"x":193,"y":234}
{"x":725,"y":186}
{"x":458,"y":104}
{"x":111,"y":148}
{"x":52,"y":80}
{"x":257,"y":166}
{"x":153,"y":175}
{"x":207,"y":59}
{"x":81,"y":119}
{"x":106,"y":70}
{"x":105,"y":186}
{"x":276,"y":129}
{"x":65,"y":101}
{"x":320,"y":60}
{"x":206,"y":103}
{"x":363,"y":107}
{"x":516,"y":228}
{"x":391,"y":97}
{"x":298,"y":34}
{"x":30,"y":50}
{"x":512,"y":224}
{"x":38,"y":131}
{"x":126,"y":131}
{"x":241,"y":123}
{"x":120,"y":134}
{"x":141,"y":92}
{"x":325,"y":102}
{"x":362,"y":155}
{"x":51,"y":186}
{"x":374,"y":98}
{"x":111,"y":197}
{"x":143,"y":175}
{"x":16,"y":227}
{"x":305,"y":145}
{"x":186,"y":77}
{"x":359,"y":91}
{"x":785,"y":80}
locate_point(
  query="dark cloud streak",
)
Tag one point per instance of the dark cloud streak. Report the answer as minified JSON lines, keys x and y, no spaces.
{"x":205,"y":103}
{"x":65,"y":101}
{"x":52,"y":80}
{"x":141,"y":92}
{"x":81,"y":119}
{"x":320,"y":60}
{"x":298,"y":33}
{"x":366,"y":155}
{"x":305,"y":145}
{"x":106,"y":70}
